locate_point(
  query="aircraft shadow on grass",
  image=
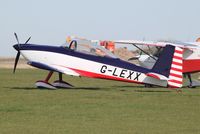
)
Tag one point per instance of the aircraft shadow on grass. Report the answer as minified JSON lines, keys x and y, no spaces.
{"x":142,"y":89}
{"x":120,"y":88}
{"x":34,"y":88}
{"x":21,"y":88}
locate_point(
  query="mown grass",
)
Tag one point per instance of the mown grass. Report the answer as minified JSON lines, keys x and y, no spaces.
{"x":94,"y":107}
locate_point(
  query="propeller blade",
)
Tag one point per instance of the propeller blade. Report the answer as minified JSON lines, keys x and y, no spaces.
{"x":16,"y":61}
{"x":17,"y":47}
{"x":27,"y":40}
{"x":16,"y":38}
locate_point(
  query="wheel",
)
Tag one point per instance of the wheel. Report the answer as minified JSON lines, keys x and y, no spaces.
{"x":62,"y":84}
{"x":43,"y":84}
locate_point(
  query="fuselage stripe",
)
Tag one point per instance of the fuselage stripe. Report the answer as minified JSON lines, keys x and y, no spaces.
{"x":96,"y":75}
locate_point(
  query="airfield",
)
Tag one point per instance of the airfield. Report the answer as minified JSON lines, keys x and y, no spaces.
{"x":93,"y":106}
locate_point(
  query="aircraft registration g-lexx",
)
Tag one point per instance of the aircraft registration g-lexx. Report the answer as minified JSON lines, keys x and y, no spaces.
{"x":87,"y":58}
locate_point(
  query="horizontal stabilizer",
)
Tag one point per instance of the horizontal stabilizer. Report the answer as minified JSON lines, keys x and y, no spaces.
{"x":157,"y":76}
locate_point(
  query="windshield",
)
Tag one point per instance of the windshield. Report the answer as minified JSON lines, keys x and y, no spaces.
{"x":89,"y":47}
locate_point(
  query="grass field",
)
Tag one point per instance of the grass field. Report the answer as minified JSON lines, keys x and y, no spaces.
{"x":94,"y":107}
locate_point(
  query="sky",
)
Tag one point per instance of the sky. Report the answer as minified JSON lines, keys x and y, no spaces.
{"x":51,"y":21}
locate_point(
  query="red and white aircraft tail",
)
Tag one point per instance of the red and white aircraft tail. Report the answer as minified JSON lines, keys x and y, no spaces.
{"x":176,"y":71}
{"x":169,"y":66}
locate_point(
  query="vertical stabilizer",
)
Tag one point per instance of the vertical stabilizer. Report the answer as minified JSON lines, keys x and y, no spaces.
{"x":170,"y":65}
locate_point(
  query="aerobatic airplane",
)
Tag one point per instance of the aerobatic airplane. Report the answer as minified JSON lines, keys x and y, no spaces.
{"x":85,"y":58}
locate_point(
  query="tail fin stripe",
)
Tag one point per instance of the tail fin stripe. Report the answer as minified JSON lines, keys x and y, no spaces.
{"x":175,"y":81}
{"x":177,"y":67}
{"x":175,"y":75}
{"x":178,"y":55}
{"x":179,"y":49}
{"x":177,"y":60}
{"x":175,"y":85}
{"x":176,"y":72}
{"x":175,"y":63}
{"x":175,"y":78}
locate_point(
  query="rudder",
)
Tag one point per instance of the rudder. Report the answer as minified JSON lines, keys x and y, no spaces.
{"x":176,"y":71}
{"x":170,"y":65}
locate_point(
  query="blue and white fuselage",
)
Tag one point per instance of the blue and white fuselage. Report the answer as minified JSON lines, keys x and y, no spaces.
{"x":79,"y":63}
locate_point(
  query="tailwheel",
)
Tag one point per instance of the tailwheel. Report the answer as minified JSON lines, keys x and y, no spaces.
{"x":61,"y":84}
{"x":191,"y":86}
{"x":45,"y":83}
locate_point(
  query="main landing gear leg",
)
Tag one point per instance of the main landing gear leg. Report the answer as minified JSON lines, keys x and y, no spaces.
{"x":190,"y":80}
{"x":60,"y":83}
{"x":45,"y":83}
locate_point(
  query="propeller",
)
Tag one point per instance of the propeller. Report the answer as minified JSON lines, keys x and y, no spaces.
{"x":17,"y":47}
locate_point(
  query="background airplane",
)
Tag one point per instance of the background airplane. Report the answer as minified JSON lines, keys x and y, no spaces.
{"x":147,"y":59}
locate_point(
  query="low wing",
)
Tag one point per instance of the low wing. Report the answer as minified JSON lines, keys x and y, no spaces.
{"x":53,"y":67}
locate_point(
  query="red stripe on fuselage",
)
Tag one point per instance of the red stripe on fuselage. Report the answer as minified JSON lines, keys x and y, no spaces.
{"x":101,"y":76}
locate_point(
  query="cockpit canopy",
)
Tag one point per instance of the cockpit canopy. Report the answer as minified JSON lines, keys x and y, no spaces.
{"x":89,"y":47}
